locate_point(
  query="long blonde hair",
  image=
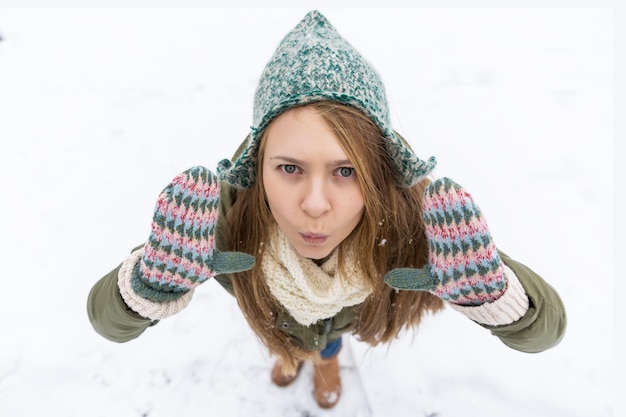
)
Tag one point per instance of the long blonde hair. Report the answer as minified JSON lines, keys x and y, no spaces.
{"x":390,"y":235}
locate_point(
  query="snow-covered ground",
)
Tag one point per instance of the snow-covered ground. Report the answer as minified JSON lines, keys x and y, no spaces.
{"x":100,"y":108}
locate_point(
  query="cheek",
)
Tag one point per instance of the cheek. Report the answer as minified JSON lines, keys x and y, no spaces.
{"x":357,"y":203}
{"x":269,"y":187}
{"x":268,"y":180}
{"x":359,"y":210}
{"x":353,"y":207}
{"x":276,"y":198}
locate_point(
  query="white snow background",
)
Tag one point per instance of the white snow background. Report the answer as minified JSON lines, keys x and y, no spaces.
{"x":100,"y":108}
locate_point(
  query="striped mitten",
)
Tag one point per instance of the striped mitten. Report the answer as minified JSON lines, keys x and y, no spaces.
{"x":463,"y":264}
{"x":180,"y":253}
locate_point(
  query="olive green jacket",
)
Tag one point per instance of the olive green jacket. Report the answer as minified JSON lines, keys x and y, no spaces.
{"x":542,"y":327}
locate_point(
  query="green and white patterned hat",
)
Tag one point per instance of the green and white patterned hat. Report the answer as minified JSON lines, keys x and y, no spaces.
{"x":314,"y":63}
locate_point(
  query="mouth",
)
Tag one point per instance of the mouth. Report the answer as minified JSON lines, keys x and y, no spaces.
{"x":314,"y":239}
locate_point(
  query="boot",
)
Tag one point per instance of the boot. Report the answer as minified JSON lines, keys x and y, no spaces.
{"x":280,"y":378}
{"x":327,"y":382}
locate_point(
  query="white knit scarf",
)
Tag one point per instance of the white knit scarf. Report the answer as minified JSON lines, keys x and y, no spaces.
{"x":308,"y":291}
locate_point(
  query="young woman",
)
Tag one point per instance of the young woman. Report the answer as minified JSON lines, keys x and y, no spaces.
{"x":325,"y":222}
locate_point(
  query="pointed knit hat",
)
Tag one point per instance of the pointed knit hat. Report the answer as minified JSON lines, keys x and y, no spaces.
{"x":313,"y":62}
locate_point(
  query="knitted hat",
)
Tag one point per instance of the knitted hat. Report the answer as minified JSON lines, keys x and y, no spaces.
{"x":314,"y":63}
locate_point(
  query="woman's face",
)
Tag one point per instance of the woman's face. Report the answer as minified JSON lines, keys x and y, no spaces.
{"x":311,"y":185}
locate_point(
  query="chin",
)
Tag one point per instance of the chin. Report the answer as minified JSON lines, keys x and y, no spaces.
{"x":315,"y":254}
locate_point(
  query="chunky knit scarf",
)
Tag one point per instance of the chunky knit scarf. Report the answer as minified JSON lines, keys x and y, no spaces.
{"x":308,"y":291}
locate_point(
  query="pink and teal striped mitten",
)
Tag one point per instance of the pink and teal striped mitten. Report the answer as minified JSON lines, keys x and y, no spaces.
{"x":181,"y":250}
{"x":463,"y":264}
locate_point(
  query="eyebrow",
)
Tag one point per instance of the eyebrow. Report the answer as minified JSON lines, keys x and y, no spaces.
{"x":299,"y":162}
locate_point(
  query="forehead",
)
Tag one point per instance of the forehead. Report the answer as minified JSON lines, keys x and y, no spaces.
{"x":302,"y":130}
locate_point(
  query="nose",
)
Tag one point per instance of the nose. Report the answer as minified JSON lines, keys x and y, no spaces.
{"x":316,"y":202}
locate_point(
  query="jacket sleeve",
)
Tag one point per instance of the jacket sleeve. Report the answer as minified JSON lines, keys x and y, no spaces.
{"x":543,"y":325}
{"x":108,"y":313}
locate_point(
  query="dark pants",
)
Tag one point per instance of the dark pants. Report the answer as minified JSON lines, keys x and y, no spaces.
{"x":331,"y":349}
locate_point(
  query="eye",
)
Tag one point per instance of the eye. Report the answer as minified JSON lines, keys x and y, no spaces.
{"x":289,"y":169}
{"x":345,"y":172}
